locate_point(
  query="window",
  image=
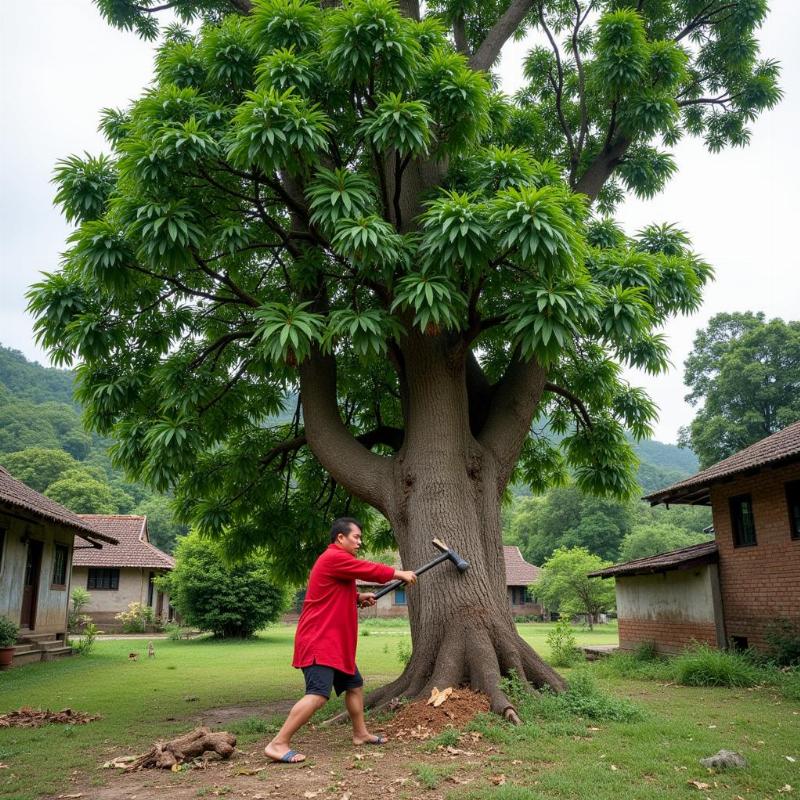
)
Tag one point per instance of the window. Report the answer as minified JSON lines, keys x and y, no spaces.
{"x":400,"y":597}
{"x":103,"y":578}
{"x":739,"y":643}
{"x":60,"y":559}
{"x":793,"y":501}
{"x":742,"y":522}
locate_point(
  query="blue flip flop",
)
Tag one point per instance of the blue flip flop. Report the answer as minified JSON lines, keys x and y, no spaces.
{"x":287,"y":757}
{"x":376,"y":740}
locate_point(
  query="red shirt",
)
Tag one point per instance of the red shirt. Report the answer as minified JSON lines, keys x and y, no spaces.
{"x":327,"y":632}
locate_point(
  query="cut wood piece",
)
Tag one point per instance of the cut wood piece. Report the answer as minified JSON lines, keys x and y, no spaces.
{"x":201,"y":742}
{"x":434,"y":695}
{"x":442,"y":696}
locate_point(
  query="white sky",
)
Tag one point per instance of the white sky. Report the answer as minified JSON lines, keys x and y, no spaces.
{"x":740,"y":206}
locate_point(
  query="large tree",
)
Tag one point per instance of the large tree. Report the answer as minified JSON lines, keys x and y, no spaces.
{"x":338,"y":199}
{"x":746,"y":373}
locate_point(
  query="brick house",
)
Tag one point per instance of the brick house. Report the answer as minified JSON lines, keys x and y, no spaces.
{"x":519,"y":577}
{"x":36,"y":551}
{"x":728,"y":591}
{"x":119,"y":575}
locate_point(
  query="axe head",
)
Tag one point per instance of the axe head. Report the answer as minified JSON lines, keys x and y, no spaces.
{"x":461,"y":564}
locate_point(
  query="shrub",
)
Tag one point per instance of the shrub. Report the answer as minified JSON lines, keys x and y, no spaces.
{"x":85,"y":644}
{"x":137,"y":619}
{"x":229,"y":599}
{"x":783,"y":637}
{"x":77,"y":619}
{"x":631,"y":665}
{"x":563,"y":645}
{"x":706,"y":666}
{"x":790,"y":685}
{"x":404,"y":652}
{"x":8,"y":632}
{"x":175,"y":632}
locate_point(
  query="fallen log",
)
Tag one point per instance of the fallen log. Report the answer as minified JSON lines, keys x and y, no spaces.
{"x":201,"y":742}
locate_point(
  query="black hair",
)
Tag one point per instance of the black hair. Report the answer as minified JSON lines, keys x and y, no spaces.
{"x":343,"y":525}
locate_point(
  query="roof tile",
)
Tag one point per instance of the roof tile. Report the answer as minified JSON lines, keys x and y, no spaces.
{"x":705,"y":552}
{"x":134,"y":548}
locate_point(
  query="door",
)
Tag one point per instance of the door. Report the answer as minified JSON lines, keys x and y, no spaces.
{"x":30,"y":589}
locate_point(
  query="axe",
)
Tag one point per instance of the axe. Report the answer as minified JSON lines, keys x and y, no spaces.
{"x":461,"y":565}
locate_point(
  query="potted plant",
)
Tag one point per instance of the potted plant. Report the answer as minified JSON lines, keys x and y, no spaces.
{"x":8,"y":638}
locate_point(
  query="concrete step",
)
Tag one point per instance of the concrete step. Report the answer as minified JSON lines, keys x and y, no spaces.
{"x":55,"y":644}
{"x":24,"y":648}
{"x":37,"y":637}
{"x":61,"y":652}
{"x":27,"y":658}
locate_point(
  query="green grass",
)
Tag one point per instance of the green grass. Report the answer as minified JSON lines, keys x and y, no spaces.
{"x":564,"y":749}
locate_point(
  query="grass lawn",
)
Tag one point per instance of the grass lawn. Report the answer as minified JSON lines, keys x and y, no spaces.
{"x":553,"y":756}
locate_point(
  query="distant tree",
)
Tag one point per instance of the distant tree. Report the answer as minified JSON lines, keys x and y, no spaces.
{"x":229,"y":600}
{"x":746,"y":373}
{"x":564,"y":584}
{"x":38,"y":467}
{"x":48,"y":425}
{"x":80,"y":491}
{"x":650,"y":540}
{"x":162,"y":526}
{"x":568,"y":517}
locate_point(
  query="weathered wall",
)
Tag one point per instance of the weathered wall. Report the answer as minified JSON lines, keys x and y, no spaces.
{"x":51,"y":604}
{"x":671,"y":609}
{"x":105,"y":604}
{"x":759,"y":583}
{"x":385,"y":607}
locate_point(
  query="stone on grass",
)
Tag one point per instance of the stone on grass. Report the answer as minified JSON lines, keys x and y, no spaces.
{"x":725,"y":759}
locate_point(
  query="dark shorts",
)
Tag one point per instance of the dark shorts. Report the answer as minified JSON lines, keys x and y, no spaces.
{"x":320,"y":679}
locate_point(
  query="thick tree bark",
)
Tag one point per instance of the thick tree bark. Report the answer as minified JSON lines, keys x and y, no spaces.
{"x":447,"y":482}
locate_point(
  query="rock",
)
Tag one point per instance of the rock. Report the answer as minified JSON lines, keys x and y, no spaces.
{"x":725,"y":759}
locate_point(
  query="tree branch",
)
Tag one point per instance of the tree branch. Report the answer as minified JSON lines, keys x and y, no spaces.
{"x":347,"y":460}
{"x":574,"y":401}
{"x":501,"y":31}
{"x":600,"y":169}
{"x":460,"y":34}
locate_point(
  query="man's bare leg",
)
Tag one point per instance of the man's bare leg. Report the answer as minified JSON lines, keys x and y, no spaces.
{"x":301,"y":712}
{"x":354,"y":702}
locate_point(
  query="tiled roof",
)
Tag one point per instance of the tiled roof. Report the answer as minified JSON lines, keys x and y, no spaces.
{"x":696,"y":554}
{"x":134,"y":548}
{"x":16,"y":494}
{"x":518,"y":571}
{"x":779,"y":447}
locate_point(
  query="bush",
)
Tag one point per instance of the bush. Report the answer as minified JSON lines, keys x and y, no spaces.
{"x":563,"y":645}
{"x":77,"y":619}
{"x":582,"y":698}
{"x":404,"y":652}
{"x":706,"y":666}
{"x":230,"y":600}
{"x":783,"y":637}
{"x":8,"y":632}
{"x":85,"y":644}
{"x":632,"y":665}
{"x":176,"y":632}
{"x":137,"y":619}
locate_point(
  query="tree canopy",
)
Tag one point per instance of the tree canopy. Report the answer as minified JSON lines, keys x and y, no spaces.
{"x":745,"y":371}
{"x":307,"y":193}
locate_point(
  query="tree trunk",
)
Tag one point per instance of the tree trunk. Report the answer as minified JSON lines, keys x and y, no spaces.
{"x":447,"y":484}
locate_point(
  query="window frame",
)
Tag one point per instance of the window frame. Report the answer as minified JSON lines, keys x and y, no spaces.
{"x":792,"y":492}
{"x":60,"y":547}
{"x":399,"y":592}
{"x":112,"y":572}
{"x":734,"y":509}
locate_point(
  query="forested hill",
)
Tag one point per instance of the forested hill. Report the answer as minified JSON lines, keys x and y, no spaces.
{"x":27,"y":380}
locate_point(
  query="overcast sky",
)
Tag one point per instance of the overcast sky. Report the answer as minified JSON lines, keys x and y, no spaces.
{"x":60,"y":64}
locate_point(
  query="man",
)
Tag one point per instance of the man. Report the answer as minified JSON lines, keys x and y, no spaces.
{"x":327,"y":634}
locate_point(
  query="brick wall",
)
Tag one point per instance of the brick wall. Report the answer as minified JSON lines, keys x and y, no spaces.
{"x":669,"y":636}
{"x":762,"y":582}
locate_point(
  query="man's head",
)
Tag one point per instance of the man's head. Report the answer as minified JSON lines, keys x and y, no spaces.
{"x":346,"y":532}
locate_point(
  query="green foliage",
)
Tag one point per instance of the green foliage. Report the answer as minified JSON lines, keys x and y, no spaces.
{"x":86,"y":641}
{"x":38,"y":467}
{"x":563,"y":645}
{"x":582,"y":698}
{"x":404,"y":652}
{"x":76,"y":619}
{"x":745,"y":371}
{"x":81,"y":492}
{"x":138,"y":618}
{"x":230,"y":600}
{"x":8,"y":632}
{"x":650,"y":540}
{"x":707,"y":666}
{"x":564,"y":583}
{"x":783,"y":640}
{"x":306,"y":188}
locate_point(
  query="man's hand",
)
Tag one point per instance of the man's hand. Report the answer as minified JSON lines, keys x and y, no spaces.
{"x":405,"y":575}
{"x":366,"y":599}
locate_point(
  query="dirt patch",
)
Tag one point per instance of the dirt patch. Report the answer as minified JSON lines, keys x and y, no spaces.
{"x":33,"y":718}
{"x":421,"y":721}
{"x":335,"y":768}
{"x":224,"y":715}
